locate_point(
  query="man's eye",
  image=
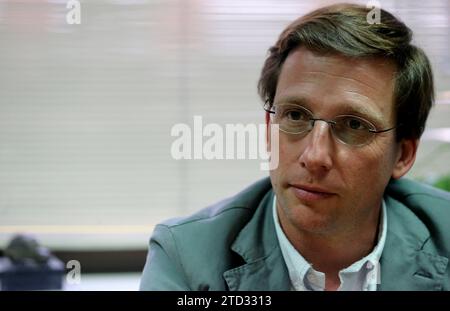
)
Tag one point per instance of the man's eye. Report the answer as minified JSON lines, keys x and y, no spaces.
{"x":355,"y":124}
{"x":296,"y":115}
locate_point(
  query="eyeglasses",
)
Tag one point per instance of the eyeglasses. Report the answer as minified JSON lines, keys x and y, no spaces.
{"x":348,"y":129}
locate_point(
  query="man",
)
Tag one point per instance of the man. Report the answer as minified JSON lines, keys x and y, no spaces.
{"x":351,"y":101}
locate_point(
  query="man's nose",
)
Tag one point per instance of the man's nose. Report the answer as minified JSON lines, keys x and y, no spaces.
{"x":317,"y":155}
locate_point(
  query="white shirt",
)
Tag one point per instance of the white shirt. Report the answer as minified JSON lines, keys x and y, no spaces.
{"x":362,"y":275}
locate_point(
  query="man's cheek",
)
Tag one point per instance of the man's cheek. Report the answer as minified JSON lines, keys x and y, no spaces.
{"x":288,"y":154}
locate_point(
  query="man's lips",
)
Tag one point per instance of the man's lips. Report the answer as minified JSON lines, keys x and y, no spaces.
{"x":311,"y":193}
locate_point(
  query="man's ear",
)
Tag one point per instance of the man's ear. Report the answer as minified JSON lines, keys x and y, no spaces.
{"x":405,"y":157}
{"x":267,"y":132}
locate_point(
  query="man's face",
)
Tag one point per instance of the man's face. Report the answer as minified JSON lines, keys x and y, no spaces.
{"x":323,"y":185}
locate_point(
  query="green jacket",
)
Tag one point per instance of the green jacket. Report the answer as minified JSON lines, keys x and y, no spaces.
{"x":233,"y":245}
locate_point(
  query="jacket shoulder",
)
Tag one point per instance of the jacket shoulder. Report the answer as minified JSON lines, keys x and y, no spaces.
{"x":419,"y":195}
{"x":183,"y":251}
{"x":430,"y":205}
{"x":243,"y":202}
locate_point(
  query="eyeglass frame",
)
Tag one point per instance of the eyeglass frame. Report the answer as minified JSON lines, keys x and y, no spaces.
{"x":267,"y":106}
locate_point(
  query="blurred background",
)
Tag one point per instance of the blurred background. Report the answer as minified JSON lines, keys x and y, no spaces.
{"x":86,"y":112}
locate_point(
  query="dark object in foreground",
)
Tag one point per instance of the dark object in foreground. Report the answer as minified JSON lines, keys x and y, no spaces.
{"x":29,"y":266}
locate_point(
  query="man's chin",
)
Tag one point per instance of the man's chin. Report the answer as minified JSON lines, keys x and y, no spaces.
{"x":308,"y":217}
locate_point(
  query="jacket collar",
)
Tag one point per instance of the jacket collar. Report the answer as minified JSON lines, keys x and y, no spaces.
{"x":409,"y":260}
{"x":257,"y":243}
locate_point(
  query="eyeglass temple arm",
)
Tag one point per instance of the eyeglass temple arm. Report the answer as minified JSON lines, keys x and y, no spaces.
{"x":386,"y":130}
{"x":268,"y":110}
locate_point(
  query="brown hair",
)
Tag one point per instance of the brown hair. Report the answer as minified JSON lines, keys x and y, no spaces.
{"x":344,"y":29}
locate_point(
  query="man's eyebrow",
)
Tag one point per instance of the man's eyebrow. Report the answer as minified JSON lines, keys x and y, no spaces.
{"x":347,"y":107}
{"x":361,"y":110}
{"x":292,"y":100}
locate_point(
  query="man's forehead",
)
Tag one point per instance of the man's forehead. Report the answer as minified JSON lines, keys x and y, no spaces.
{"x":355,"y":84}
{"x":372,"y":72}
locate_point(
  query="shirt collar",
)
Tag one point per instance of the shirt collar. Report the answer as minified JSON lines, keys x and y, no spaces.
{"x":304,"y":277}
